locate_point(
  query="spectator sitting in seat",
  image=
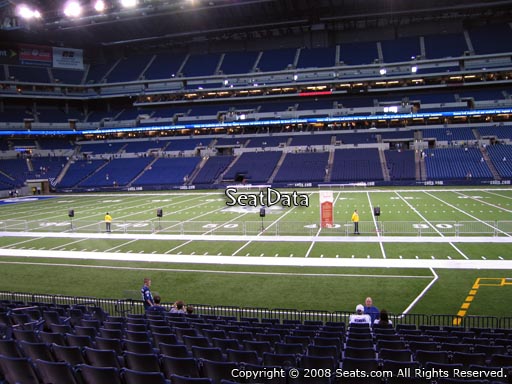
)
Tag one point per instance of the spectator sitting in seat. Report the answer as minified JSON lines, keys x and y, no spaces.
{"x":360,"y":317}
{"x":157,"y":307}
{"x":383,"y":319}
{"x":178,"y":307}
{"x":370,"y":309}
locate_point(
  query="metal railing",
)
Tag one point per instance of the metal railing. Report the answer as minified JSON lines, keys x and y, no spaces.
{"x":271,"y":228}
{"x":123,"y":307}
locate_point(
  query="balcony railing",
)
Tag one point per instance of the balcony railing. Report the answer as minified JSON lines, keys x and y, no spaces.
{"x":266,"y":227}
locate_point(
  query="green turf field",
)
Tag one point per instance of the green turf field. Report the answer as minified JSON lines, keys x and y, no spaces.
{"x":422,"y":255}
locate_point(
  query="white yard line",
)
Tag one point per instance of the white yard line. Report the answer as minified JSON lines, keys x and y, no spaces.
{"x":121,"y":245}
{"x":484,"y":202}
{"x":419,"y":214}
{"x":430,"y":224}
{"x":193,"y":218}
{"x":320,"y":229}
{"x":227,"y":222}
{"x":72,"y":242}
{"x":268,"y":226}
{"x":219,"y":272}
{"x":467,"y":214}
{"x":493,"y":192}
{"x":425,"y":290}
{"x":177,"y":247}
{"x":312,"y":243}
{"x":376,"y":225}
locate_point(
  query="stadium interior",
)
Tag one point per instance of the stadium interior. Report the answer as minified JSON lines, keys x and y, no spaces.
{"x":423,"y":99}
{"x":197,"y":95}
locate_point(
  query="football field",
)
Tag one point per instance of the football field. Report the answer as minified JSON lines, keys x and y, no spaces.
{"x":439,"y":250}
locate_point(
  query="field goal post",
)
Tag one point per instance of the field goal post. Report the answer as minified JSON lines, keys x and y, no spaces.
{"x":250,"y":188}
{"x":341,"y":186}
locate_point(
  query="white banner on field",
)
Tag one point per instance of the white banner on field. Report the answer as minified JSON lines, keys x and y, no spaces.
{"x":326,"y":209}
{"x":68,"y":58}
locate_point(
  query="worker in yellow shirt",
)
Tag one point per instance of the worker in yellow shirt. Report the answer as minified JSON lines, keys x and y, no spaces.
{"x":355,"y":220}
{"x":108,"y":221}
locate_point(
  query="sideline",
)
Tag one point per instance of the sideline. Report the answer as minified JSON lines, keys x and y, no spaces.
{"x":264,"y":260}
{"x":305,"y":239}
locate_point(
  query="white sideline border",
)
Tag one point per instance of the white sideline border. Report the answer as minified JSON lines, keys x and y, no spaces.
{"x":256,"y":238}
{"x":265,"y":261}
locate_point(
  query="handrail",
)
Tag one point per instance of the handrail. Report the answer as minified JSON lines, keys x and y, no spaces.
{"x":124,"y":307}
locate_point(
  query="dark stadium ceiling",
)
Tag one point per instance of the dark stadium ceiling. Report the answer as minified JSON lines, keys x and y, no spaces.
{"x":170,"y":22}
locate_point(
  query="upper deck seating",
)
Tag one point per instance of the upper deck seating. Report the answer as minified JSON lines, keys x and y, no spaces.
{"x":128,"y":69}
{"x":255,"y":167}
{"x":165,"y":66}
{"x":267,"y":141}
{"x":277,"y":59}
{"x":359,"y":53}
{"x":313,"y":108}
{"x":485,"y":41}
{"x":101,"y":148}
{"x":277,"y":106}
{"x":67,"y":76}
{"x":78,"y":171}
{"x":401,"y":49}
{"x":201,"y":65}
{"x":168,"y":171}
{"x":212,"y":169}
{"x":356,"y":165}
{"x":401,"y":164}
{"x":489,"y":95}
{"x":443,"y":45}
{"x":501,"y":157}
{"x":187,"y":144}
{"x":238,"y":62}
{"x":431,"y":98}
{"x":97,"y":72}
{"x":456,"y":163}
{"x":450,"y":134}
{"x":354,"y":102}
{"x":117,"y":171}
{"x":357,"y":137}
{"x":16,"y":169}
{"x":144,"y":146}
{"x":307,"y":140}
{"x":212,"y":111}
{"x":30,"y":74}
{"x":397,"y":135}
{"x":16,"y":114}
{"x":9,"y":183}
{"x":504,"y":132}
{"x":47,"y":167}
{"x":303,"y":167}
{"x":230,"y":142}
{"x":317,"y":57}
{"x":23,"y":143}
{"x":99,"y":115}
{"x":54,"y":143}
{"x":130,"y":114}
{"x":58,"y":115}
{"x":167,"y":113}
